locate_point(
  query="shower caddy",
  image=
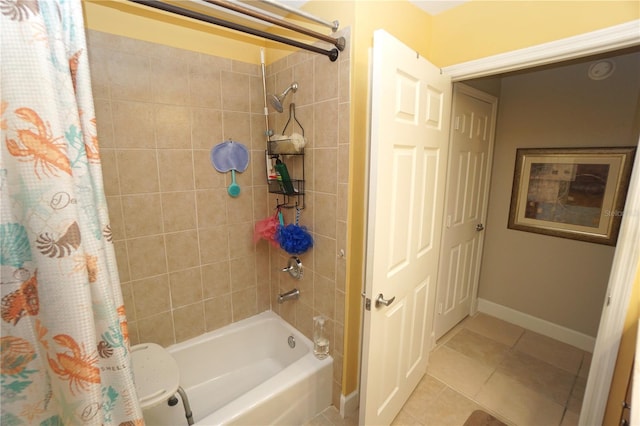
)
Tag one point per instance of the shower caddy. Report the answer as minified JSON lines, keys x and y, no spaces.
{"x":294,"y":162}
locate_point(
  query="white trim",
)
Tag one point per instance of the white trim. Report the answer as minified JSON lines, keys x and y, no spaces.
{"x":544,"y":327}
{"x":600,"y":41}
{"x":621,"y":281}
{"x":349,"y":405}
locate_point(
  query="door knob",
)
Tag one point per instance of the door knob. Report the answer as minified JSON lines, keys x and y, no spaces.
{"x":382,"y":301}
{"x":479,"y":227}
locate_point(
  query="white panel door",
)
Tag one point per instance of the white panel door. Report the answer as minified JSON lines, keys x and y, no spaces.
{"x":472,"y":135}
{"x":410,"y":110}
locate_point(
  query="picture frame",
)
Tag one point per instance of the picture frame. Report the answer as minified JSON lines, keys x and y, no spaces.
{"x":576,"y":193}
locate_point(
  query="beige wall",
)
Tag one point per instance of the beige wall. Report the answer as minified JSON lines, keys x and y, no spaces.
{"x":184,"y":247}
{"x":559,"y":280}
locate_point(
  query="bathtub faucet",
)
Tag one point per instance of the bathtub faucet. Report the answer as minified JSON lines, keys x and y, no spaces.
{"x":291,"y":294}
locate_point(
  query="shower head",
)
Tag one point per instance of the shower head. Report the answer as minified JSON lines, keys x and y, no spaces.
{"x":277,"y":100}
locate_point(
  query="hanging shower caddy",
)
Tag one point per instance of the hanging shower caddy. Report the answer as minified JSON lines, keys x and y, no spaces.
{"x":285,"y":164}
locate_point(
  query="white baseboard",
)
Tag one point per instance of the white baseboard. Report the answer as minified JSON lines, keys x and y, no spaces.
{"x":350,"y":404}
{"x":544,"y":327}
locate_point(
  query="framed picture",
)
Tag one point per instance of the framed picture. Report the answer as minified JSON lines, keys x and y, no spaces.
{"x":571,"y":193}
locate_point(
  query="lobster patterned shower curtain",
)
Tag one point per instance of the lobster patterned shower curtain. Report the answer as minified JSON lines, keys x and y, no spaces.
{"x":65,"y":350}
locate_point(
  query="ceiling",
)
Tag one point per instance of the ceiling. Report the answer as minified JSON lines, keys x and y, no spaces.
{"x":433,"y":7}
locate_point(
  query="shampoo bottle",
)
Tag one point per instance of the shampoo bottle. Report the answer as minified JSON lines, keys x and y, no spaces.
{"x":287,"y":186}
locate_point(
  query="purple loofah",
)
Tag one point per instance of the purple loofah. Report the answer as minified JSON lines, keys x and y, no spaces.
{"x":294,"y":239}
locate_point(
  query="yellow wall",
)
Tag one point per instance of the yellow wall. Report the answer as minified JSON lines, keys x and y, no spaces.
{"x":474,"y":30}
{"x":483,"y":28}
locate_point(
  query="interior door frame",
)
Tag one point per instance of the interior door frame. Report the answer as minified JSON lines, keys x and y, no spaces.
{"x":627,"y":251}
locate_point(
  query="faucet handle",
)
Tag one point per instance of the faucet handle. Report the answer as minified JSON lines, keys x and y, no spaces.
{"x":294,"y":268}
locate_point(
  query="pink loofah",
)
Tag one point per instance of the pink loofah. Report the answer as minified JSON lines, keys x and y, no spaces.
{"x":267,"y":229}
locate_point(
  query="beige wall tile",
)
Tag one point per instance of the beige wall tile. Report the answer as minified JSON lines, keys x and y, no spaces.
{"x":189,"y":321}
{"x":240,"y":209}
{"x":172,"y":126}
{"x":182,"y":250}
{"x":206,"y":176}
{"x":186,"y":287}
{"x":325,"y":73}
{"x":324,"y":295}
{"x":110,"y":178}
{"x":179,"y":210}
{"x":204,"y":84}
{"x":217,"y":312}
{"x":245,"y":304}
{"x":214,"y":244}
{"x":236,"y":94}
{"x":170,"y":80}
{"x":133,"y":124}
{"x":157,"y":329}
{"x":212,"y":208}
{"x":151,"y":296}
{"x":325,"y":220}
{"x":98,"y":61}
{"x":243,"y":273}
{"x":206,"y":131}
{"x":325,"y":170}
{"x":237,"y":126}
{"x":138,"y":171}
{"x":325,"y":256}
{"x":176,"y":170}
{"x":344,"y":79}
{"x":147,"y":256}
{"x":303,"y":74}
{"x":216,"y":279}
{"x":325,"y":133}
{"x":129,"y":76}
{"x":142,"y":215}
{"x":241,"y":240}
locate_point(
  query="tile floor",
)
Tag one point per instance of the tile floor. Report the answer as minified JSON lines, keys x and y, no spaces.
{"x":521,"y":377}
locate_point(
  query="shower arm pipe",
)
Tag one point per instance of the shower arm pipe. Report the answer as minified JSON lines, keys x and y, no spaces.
{"x":333,"y":25}
{"x":331,"y":54}
{"x":337,"y":42}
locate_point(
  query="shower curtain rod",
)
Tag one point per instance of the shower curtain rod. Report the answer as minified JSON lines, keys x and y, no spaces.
{"x":331,"y":54}
{"x":333,"y":25}
{"x":337,"y":42}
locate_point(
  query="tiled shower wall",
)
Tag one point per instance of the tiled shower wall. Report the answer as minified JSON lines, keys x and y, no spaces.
{"x":184,"y":247}
{"x":322,"y":105}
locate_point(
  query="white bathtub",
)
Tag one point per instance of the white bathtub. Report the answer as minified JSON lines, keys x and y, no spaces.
{"x":247,"y":374}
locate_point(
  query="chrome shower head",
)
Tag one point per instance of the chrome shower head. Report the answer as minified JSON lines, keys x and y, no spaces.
{"x":277,"y":100}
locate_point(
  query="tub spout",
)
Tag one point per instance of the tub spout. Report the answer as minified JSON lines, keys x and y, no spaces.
{"x":292,"y":294}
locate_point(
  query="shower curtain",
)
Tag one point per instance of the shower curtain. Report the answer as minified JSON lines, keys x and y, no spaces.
{"x":64,"y":344}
